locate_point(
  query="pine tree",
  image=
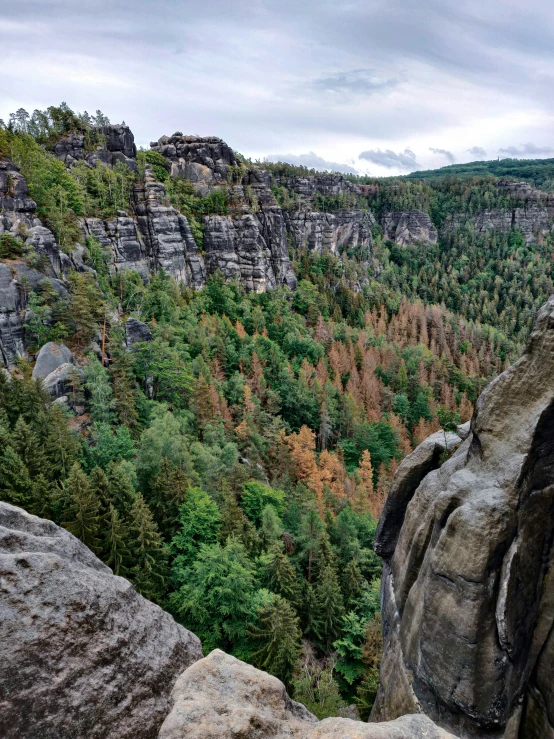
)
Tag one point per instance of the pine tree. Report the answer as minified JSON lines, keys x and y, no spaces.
{"x":115,"y":549}
{"x":81,"y":514}
{"x":280,"y":637}
{"x":26,"y":444}
{"x":124,"y":387}
{"x":281,"y":576}
{"x":148,"y":552}
{"x":167,"y":492}
{"x":330,"y":607}
{"x":351,"y":581}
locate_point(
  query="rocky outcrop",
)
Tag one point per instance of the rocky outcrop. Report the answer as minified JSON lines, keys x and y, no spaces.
{"x":327,"y":184}
{"x":50,"y":357}
{"x":11,"y":326}
{"x":121,"y":235}
{"x":83,"y":655}
{"x":117,"y":144}
{"x":330,"y":232}
{"x":203,"y":161}
{"x":409,"y":227}
{"x":468,"y":581}
{"x":166,"y":234}
{"x":136,"y":331}
{"x":251,"y":247}
{"x":220,"y":697}
{"x":530,"y":211}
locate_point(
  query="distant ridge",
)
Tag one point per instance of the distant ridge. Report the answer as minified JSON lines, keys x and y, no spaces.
{"x":540,"y":172}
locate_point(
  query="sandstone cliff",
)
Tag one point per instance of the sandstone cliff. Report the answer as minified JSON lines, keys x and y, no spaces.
{"x":409,"y":227}
{"x":467,"y":595}
{"x":83,"y":655}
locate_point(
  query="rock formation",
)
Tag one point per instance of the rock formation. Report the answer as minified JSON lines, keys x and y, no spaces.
{"x":331,"y":232}
{"x":203,"y":161}
{"x":83,"y":655}
{"x":468,"y":586}
{"x":118,"y":146}
{"x":531,"y":211}
{"x":409,"y":227}
{"x":136,"y":331}
{"x":220,"y":697}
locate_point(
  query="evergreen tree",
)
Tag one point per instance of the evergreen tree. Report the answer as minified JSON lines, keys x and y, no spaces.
{"x":115,"y":549}
{"x":200,"y":521}
{"x":81,"y":509}
{"x":150,"y":557}
{"x":330,"y":607}
{"x":279,"y":637}
{"x":280,"y":575}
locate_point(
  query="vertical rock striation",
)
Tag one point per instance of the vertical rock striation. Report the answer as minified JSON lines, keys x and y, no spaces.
{"x":468,"y":582}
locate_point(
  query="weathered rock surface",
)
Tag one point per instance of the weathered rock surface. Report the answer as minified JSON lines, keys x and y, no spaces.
{"x":83,"y":655}
{"x":166,"y":234}
{"x":330,"y":232}
{"x":50,"y":357}
{"x":529,"y":210}
{"x":11,"y":326}
{"x":329,"y":184}
{"x":202,"y":160}
{"x":249,"y":247}
{"x":409,"y":227}
{"x":62,"y":380}
{"x":136,"y":331}
{"x":468,"y":589}
{"x":220,"y":697}
{"x":119,"y":145}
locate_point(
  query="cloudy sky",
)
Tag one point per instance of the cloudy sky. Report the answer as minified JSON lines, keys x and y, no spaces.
{"x":378,"y":86}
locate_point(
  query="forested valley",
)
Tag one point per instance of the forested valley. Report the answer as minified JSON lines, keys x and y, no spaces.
{"x":233,"y":464}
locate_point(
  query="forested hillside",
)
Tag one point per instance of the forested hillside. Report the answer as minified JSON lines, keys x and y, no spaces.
{"x":539,"y":172}
{"x":229,"y":451}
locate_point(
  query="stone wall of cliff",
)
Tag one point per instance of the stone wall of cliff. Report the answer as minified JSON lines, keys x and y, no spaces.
{"x":467,"y":594}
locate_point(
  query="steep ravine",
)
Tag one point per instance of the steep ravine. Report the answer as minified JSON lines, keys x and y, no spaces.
{"x":467,"y":602}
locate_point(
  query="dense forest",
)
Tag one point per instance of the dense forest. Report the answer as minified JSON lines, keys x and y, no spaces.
{"x":234,"y":467}
{"x":539,"y":172}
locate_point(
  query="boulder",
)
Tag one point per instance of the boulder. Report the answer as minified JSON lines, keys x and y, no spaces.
{"x":84,"y":656}
{"x":468,"y":580}
{"x":221,"y":697}
{"x":61,"y":380}
{"x":50,"y":357}
{"x":136,"y":331}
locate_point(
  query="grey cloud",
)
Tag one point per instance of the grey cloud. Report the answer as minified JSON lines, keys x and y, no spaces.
{"x":527,"y":150}
{"x":355,"y":81}
{"x":390,"y":159}
{"x":478,"y":152}
{"x":445,"y":153}
{"x":312,"y":161}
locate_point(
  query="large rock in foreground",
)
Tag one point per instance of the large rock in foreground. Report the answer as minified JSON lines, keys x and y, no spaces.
{"x":468,"y":581}
{"x":220,"y":697}
{"x":83,"y":655}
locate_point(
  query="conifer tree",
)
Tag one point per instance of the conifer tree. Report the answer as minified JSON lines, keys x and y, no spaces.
{"x":279,"y":635}
{"x":280,"y":575}
{"x":148,"y":552}
{"x":116,"y":552}
{"x":351,"y":582}
{"x":81,"y":509}
{"x":330,"y":607}
{"x":27,"y":446}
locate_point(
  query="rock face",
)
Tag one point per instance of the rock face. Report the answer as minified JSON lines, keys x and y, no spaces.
{"x":50,"y":357}
{"x":251,"y":247}
{"x":468,"y":582}
{"x":136,"y":331}
{"x":220,"y":697}
{"x":83,"y":655}
{"x":118,"y":146}
{"x":11,"y":327}
{"x":203,"y":161}
{"x":529,"y":210}
{"x":409,"y":227}
{"x":331,"y":232}
{"x":166,"y":234}
{"x":328,"y":184}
